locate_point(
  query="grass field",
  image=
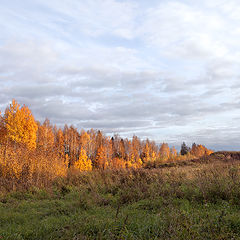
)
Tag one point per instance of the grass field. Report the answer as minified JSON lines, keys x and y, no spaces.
{"x":201,"y":201}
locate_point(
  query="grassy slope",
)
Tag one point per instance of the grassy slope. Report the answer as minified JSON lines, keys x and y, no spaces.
{"x":191,"y":202}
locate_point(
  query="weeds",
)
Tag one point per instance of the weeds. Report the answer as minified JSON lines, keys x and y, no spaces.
{"x":190,"y":202}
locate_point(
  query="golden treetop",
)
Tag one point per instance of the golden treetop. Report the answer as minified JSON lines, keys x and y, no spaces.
{"x":20,"y":125}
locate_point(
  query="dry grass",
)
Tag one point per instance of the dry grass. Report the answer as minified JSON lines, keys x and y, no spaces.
{"x":199,"y":201}
{"x":195,"y":180}
{"x":201,"y":182}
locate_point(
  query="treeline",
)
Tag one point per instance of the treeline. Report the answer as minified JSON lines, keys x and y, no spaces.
{"x":29,"y":149}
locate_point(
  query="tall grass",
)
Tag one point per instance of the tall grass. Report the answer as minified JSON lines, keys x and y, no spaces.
{"x":197,"y":181}
{"x":199,"y":201}
{"x":201,"y":183}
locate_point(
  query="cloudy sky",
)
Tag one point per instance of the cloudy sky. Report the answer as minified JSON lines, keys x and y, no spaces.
{"x":163,"y":69}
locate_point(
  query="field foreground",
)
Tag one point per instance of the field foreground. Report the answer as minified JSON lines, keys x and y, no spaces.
{"x":199,"y":201}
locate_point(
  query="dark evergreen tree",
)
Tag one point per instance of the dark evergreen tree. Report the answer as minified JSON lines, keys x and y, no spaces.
{"x":184,"y":149}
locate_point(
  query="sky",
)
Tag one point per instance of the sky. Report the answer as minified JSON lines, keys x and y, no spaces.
{"x":167,"y":70}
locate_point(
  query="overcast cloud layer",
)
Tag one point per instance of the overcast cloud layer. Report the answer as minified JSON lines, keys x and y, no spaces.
{"x":167,"y":70}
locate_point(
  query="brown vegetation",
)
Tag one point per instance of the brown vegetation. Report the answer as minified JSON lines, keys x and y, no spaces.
{"x":32,"y":153}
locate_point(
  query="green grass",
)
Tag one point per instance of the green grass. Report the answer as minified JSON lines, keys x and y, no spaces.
{"x":181,"y":203}
{"x":69,"y":218}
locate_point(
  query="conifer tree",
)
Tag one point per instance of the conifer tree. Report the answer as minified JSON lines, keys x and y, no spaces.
{"x":184,"y":149}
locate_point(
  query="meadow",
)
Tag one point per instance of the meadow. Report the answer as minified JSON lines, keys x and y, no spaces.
{"x":188,"y":200}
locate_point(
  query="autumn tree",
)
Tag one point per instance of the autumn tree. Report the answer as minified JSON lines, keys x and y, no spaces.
{"x":199,"y":150}
{"x":194,"y":150}
{"x":136,"y":147}
{"x":71,"y":143}
{"x":145,"y":156}
{"x":59,"y":142}
{"x":83,"y":163}
{"x":20,"y":125}
{"x":113,"y":148}
{"x":118,"y":163}
{"x":173,"y":153}
{"x":45,"y":136}
{"x":2,"y":129}
{"x":101,"y":158}
{"x":209,"y":151}
{"x":109,"y":151}
{"x":99,"y":139}
{"x":84,"y":140}
{"x":164,"y":151}
{"x":92,"y":143}
{"x":133,"y":158}
{"x":122,"y":150}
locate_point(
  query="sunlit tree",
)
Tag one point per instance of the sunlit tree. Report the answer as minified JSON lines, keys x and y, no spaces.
{"x":83,"y":163}
{"x":45,"y":136}
{"x":164,"y":151}
{"x":20,"y":125}
{"x":101,"y":158}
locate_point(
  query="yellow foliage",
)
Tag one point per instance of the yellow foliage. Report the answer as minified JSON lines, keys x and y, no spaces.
{"x":138,"y":163}
{"x":83,"y":163}
{"x":164,"y":151}
{"x":208,"y":152}
{"x":20,"y":125}
{"x":45,"y":139}
{"x":134,"y":163}
{"x":146,"y":154}
{"x":32,"y":154}
{"x":84,"y":139}
{"x":154,"y":156}
{"x":101,"y":158}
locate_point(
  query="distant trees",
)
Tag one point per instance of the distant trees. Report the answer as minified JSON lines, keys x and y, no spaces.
{"x":29,"y":147}
{"x":199,"y":150}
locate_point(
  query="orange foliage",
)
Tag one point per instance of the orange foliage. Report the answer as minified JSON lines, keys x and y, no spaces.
{"x":33,"y":153}
{"x":164,"y":151}
{"x":101,"y":158}
{"x":45,"y":136}
{"x":200,"y":150}
{"x":118,"y":163}
{"x":20,"y":125}
{"x":83,"y":163}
